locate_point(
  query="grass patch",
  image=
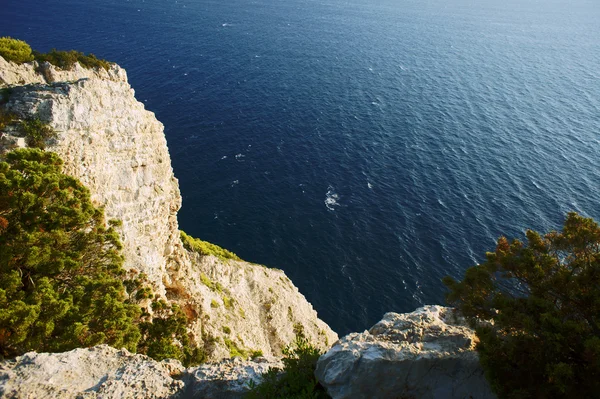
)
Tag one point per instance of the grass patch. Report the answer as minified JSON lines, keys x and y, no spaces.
{"x":226,"y":330}
{"x":206,"y":248}
{"x":214,"y":304}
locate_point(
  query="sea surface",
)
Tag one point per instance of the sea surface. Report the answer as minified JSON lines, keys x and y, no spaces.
{"x":366,"y":147}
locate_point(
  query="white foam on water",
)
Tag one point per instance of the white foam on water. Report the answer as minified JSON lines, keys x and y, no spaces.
{"x":331,"y":199}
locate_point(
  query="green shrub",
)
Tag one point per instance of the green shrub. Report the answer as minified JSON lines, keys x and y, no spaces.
{"x":37,"y":132}
{"x":60,"y":265}
{"x":15,"y":50}
{"x":66,"y":59}
{"x":62,"y":285}
{"x":165,"y":335}
{"x":296,"y":380}
{"x":536,"y":310}
{"x":206,"y":248}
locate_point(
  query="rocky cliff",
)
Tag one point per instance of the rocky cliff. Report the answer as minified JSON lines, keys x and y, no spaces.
{"x":426,"y":354}
{"x":118,"y":150}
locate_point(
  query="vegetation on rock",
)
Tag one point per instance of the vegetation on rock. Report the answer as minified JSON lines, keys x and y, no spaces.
{"x":66,"y":59}
{"x":297,"y":378}
{"x":536,"y":310}
{"x":206,"y":248}
{"x":15,"y":50}
{"x":62,"y":284}
{"x":60,"y":264}
{"x":37,"y":132}
{"x":19,"y":52}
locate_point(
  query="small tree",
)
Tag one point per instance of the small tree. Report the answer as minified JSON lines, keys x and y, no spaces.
{"x":536,"y":310}
{"x":60,"y":264}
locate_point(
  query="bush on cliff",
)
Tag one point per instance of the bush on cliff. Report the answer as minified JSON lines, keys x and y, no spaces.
{"x":37,"y":132}
{"x":66,"y":59}
{"x":206,"y":248}
{"x":19,"y":52}
{"x":60,"y":265}
{"x":297,"y":379}
{"x":536,"y":310}
{"x":62,"y":284}
{"x":15,"y":50}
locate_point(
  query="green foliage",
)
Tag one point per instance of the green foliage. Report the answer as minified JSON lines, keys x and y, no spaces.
{"x":296,"y":380}
{"x":226,"y":330}
{"x":536,"y":309}
{"x":214,"y":304}
{"x":164,"y":332}
{"x":165,"y":336}
{"x":234,"y":350}
{"x":227,"y":302}
{"x":256,"y":353}
{"x":15,"y":50}
{"x":206,"y":248}
{"x":60,"y":265}
{"x":6,"y":118}
{"x":210,"y":284}
{"x":37,"y":132}
{"x":66,"y":59}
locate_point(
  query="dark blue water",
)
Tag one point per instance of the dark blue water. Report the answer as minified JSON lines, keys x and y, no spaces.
{"x":368,"y":148}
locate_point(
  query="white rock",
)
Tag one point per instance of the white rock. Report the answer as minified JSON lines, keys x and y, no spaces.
{"x":228,"y":379}
{"x":428,"y":353}
{"x":99,"y":372}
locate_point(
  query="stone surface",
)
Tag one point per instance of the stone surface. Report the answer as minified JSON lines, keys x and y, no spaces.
{"x":99,"y":372}
{"x":118,"y":150}
{"x":228,"y":379}
{"x":428,"y":353}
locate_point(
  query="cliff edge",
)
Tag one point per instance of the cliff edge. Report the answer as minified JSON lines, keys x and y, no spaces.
{"x":117,"y":148}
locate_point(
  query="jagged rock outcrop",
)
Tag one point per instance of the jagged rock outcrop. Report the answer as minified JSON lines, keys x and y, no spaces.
{"x":118,"y":150}
{"x":426,"y":354}
{"x":103,"y":372}
{"x":99,"y":372}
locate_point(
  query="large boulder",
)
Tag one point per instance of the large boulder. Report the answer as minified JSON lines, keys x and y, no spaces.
{"x":228,"y":379}
{"x":428,"y":353}
{"x":98,"y":372}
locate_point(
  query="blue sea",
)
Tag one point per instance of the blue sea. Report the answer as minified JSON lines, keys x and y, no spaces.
{"x":366,"y":147}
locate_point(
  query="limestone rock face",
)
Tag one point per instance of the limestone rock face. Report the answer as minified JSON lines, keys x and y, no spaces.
{"x":428,"y":353}
{"x":229,"y":379}
{"x":103,"y":372}
{"x":99,"y":372}
{"x":118,"y":150}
